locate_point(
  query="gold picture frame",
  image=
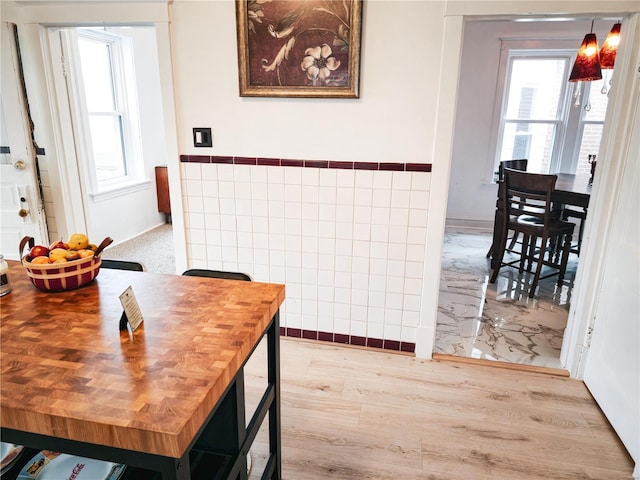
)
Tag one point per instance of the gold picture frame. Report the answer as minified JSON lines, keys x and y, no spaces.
{"x":299,"y":48}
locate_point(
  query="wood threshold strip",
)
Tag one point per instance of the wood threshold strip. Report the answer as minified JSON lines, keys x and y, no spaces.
{"x":443,"y":357}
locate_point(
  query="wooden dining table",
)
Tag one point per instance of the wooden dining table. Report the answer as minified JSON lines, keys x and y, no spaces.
{"x":167,"y":397}
{"x":571,"y":190}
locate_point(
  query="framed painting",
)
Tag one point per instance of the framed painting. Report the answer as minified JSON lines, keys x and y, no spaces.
{"x":299,"y":48}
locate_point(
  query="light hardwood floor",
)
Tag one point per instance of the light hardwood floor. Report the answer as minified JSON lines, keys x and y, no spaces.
{"x":350,"y":413}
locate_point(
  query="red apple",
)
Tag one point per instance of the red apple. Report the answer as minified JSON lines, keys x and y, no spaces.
{"x":38,"y":251}
{"x":59,"y":244}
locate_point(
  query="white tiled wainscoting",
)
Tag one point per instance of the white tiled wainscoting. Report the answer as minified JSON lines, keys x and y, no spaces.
{"x":348,"y":243}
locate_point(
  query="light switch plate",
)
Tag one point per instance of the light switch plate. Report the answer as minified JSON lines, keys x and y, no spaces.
{"x":202,"y":137}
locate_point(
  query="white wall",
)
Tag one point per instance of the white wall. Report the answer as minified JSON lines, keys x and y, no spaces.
{"x":387,"y":124}
{"x":481,"y":85}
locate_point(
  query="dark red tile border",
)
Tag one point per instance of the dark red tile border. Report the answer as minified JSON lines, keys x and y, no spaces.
{"x":392,"y":345}
{"x":366,"y":166}
{"x":271,"y":162}
{"x":408,"y":347}
{"x":195,"y":158}
{"x":294,"y":332}
{"x":341,"y":165}
{"x":284,"y":162}
{"x":325,"y":336}
{"x":396,"y":167}
{"x":291,"y":163}
{"x":316,"y":163}
{"x":218,"y":159}
{"x":245,"y":161}
{"x":340,"y":338}
{"x":418,"y":167}
{"x":310,"y":334}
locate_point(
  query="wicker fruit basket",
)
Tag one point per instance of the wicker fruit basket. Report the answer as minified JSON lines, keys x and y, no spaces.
{"x":60,"y":277}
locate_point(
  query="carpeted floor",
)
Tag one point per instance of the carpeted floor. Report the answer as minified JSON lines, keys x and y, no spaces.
{"x":153,"y":249}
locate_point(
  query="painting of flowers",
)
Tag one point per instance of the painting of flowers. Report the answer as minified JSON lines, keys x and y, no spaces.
{"x":299,"y":48}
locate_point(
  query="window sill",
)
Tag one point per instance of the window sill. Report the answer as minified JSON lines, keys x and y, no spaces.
{"x":119,"y":190}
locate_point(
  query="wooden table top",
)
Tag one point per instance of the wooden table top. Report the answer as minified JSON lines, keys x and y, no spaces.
{"x":68,"y":372}
{"x":572,"y":189}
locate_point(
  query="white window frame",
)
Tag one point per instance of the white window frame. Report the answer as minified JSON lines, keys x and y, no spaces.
{"x":568,"y":133}
{"x":126,"y":105}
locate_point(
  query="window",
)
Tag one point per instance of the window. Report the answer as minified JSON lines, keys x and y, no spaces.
{"x":539,"y":120}
{"x":106,"y":114}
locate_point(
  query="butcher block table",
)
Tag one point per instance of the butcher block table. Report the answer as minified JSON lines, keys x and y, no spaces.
{"x":167,"y":399}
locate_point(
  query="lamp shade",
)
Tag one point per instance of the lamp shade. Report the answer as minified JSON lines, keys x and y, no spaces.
{"x":587,"y":64}
{"x":610,"y":47}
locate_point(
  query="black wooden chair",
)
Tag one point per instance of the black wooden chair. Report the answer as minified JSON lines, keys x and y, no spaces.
{"x":198,"y":272}
{"x":528,"y":210}
{"x":121,"y":265}
{"x":518,"y":164}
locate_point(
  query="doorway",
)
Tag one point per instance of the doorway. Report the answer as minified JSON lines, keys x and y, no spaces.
{"x":476,"y":319}
{"x":111,"y":126}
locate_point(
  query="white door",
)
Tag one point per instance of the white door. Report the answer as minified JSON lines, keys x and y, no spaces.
{"x":612,"y":370}
{"x":21,"y":208}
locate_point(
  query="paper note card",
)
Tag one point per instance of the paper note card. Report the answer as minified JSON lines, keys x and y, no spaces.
{"x":131,"y":308}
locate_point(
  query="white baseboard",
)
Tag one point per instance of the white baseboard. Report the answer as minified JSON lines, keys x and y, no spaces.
{"x":477,"y":225}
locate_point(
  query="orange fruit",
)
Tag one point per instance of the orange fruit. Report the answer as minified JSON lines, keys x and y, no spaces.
{"x":41,"y":260}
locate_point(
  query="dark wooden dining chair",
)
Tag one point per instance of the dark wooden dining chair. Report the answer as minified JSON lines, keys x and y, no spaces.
{"x":517,"y":164}
{"x":199,"y":272}
{"x":528,"y":210}
{"x":121,"y":265}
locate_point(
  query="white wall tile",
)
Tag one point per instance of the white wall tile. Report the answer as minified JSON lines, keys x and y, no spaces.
{"x":310,"y":176}
{"x":420,"y":181}
{"x":310,"y":194}
{"x":242,"y":173}
{"x":391,"y":332}
{"x":259,"y":174}
{"x":417,"y":235}
{"x":382,"y":180}
{"x":225,"y":172}
{"x":209,"y":172}
{"x":293,"y":193}
{"x":393,"y":316}
{"x":226,"y":189}
{"x":275,"y":177}
{"x":364,"y":179}
{"x":227,"y":206}
{"x":292,"y":176}
{"x":401,"y":181}
{"x":400,"y":198}
{"x":328,"y":177}
{"x":358,"y":328}
{"x":191,"y":171}
{"x":345,"y":178}
{"x":342,"y":295}
{"x":325,"y":324}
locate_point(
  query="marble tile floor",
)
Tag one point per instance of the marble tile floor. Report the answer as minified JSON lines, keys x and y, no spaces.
{"x":498,"y":321}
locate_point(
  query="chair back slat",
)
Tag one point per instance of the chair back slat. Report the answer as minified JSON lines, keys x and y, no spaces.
{"x":528,"y":194}
{"x":519,"y":164}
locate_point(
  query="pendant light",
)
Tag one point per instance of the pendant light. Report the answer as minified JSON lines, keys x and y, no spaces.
{"x":586,"y":68}
{"x":608,"y":55}
{"x":587,"y":65}
{"x":610,"y":48}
